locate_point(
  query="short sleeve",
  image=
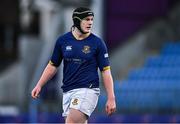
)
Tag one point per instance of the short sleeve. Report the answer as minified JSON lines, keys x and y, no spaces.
{"x":102,"y":56}
{"x":56,"y":57}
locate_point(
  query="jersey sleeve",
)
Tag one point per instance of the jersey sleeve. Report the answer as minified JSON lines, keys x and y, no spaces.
{"x":56,"y":57}
{"x":102,"y":56}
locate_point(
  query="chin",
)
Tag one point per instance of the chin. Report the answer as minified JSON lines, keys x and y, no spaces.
{"x":88,"y":31}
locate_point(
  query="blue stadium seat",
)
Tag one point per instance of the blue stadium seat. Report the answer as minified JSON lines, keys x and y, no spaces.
{"x":155,"y":86}
{"x":171,"y":48}
{"x":163,"y":61}
{"x":155,"y":73}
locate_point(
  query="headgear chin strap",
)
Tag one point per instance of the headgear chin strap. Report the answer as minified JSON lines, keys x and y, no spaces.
{"x":79,"y":14}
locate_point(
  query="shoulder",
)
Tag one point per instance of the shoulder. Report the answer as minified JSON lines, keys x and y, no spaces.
{"x":97,"y":39}
{"x":100,"y":42}
{"x":62,"y":38}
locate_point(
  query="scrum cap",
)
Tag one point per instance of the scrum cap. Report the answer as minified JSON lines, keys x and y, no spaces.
{"x":79,"y":14}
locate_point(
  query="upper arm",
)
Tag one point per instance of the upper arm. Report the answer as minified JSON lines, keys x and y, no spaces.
{"x":106,"y":72}
{"x":51,"y":68}
{"x":102,"y":57}
{"x":56,"y":57}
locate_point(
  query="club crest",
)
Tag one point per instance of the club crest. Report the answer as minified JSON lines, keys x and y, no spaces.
{"x":86,"y":49}
{"x":75,"y":102}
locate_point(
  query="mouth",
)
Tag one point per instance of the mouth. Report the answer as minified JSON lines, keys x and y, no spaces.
{"x":88,"y":28}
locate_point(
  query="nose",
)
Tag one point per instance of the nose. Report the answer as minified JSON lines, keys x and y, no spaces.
{"x":90,"y":22}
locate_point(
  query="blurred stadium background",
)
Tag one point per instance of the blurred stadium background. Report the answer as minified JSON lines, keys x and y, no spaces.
{"x":143,"y":38}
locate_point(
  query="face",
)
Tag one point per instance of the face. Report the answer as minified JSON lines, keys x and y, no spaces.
{"x":86,"y":24}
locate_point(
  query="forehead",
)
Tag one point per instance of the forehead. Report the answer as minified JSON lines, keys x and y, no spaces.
{"x":89,"y":17}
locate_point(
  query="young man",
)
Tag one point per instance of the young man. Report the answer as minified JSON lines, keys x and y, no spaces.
{"x":83,"y":53}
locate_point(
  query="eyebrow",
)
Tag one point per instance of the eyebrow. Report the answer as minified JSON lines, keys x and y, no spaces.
{"x":89,"y":18}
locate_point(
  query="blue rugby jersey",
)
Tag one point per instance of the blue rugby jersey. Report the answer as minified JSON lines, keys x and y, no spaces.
{"x":82,"y":58}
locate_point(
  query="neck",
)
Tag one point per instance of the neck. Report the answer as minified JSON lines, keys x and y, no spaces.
{"x":78,"y":35}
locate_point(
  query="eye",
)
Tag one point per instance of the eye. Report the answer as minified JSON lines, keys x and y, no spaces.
{"x":87,"y":19}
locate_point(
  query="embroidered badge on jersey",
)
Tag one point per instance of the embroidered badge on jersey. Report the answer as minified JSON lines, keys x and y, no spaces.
{"x":75,"y":102}
{"x":68,"y":48}
{"x":86,"y":49}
